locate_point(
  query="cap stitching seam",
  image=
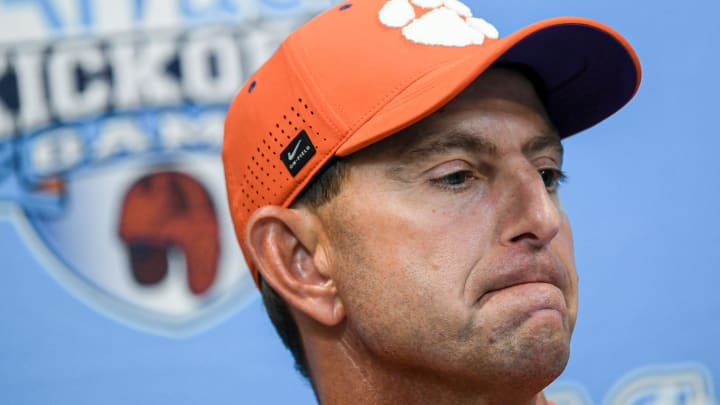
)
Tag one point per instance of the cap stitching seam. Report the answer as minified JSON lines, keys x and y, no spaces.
{"x":310,"y":88}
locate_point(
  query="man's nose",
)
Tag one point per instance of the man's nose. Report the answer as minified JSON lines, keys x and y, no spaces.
{"x":531,"y":215}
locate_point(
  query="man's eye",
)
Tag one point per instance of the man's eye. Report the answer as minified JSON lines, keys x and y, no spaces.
{"x":455,"y":179}
{"x":552,"y":178}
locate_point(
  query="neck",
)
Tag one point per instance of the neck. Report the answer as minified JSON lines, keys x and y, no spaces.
{"x":340,"y":385}
{"x":344,"y":373}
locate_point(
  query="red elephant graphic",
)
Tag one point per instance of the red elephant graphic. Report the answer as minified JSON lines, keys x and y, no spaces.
{"x":165,"y":210}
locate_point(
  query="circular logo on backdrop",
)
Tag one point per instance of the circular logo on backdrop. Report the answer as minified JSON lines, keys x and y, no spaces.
{"x":110,"y":158}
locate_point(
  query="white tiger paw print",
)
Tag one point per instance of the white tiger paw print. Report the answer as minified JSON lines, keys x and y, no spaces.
{"x":449,"y":23}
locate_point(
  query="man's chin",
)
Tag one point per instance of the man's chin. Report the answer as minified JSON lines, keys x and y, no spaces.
{"x":537,"y":354}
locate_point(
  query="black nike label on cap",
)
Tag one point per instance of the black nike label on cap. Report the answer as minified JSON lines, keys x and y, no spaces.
{"x":298,"y":153}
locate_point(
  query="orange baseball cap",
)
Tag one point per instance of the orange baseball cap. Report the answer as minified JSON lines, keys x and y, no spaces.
{"x":365,"y":69}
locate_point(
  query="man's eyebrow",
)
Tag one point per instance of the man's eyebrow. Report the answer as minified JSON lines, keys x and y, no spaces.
{"x":451,"y":141}
{"x":543,"y":142}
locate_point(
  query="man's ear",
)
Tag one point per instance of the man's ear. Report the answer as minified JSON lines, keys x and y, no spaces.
{"x":284,"y":245}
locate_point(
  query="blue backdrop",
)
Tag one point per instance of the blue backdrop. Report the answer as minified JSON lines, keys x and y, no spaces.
{"x":642,"y":196}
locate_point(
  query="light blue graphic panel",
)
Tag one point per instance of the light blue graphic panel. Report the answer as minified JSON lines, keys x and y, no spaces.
{"x":642,"y":196}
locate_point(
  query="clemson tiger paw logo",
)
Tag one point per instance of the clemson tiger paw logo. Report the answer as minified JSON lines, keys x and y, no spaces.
{"x":443,"y":22}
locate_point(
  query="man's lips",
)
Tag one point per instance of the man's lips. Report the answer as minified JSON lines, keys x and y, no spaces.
{"x":533,"y":295}
{"x":521,"y":274}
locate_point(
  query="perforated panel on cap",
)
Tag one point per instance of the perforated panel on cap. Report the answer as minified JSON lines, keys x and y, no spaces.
{"x":260,"y":177}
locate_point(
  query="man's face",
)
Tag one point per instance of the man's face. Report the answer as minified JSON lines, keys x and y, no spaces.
{"x":448,"y":244}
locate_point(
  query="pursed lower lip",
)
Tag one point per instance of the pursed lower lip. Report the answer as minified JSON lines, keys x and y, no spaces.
{"x":538,"y":294}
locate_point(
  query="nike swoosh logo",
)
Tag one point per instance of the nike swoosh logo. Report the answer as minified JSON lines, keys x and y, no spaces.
{"x":291,"y":156}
